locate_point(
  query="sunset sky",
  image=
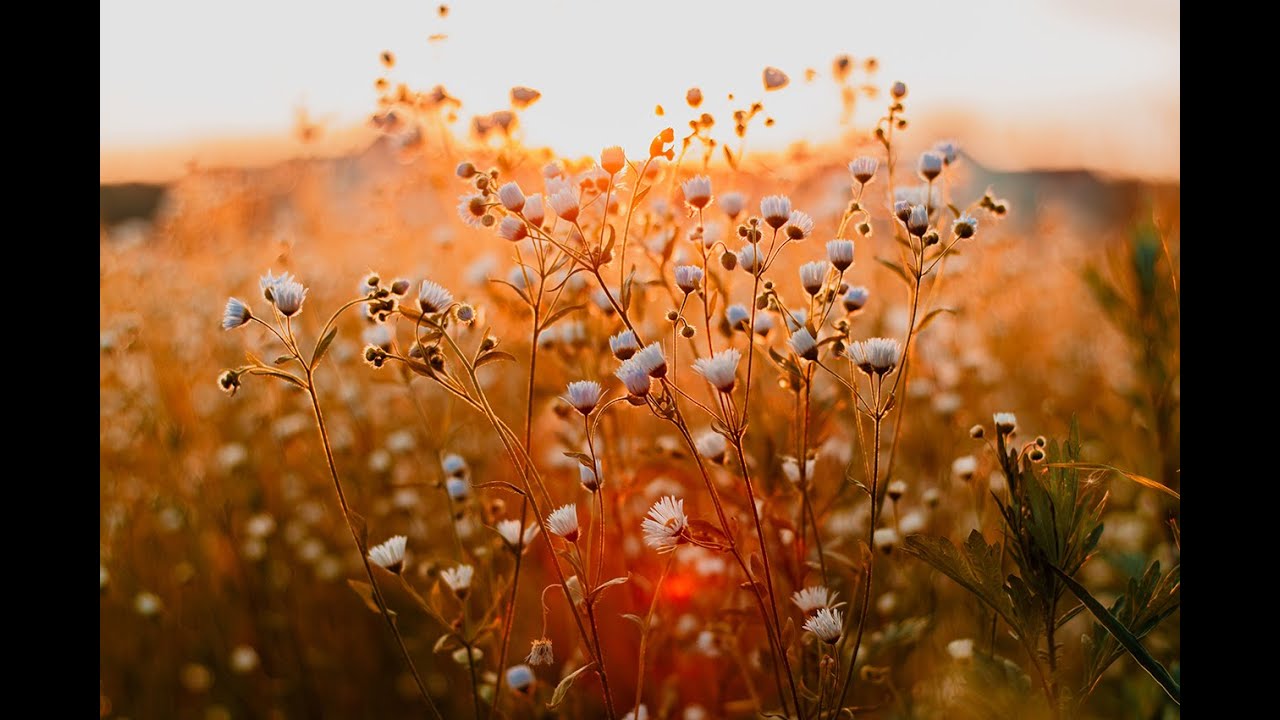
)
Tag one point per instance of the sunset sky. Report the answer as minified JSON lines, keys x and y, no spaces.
{"x":1061,"y":83}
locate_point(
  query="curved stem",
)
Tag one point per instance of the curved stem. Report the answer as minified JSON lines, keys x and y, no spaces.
{"x":644,"y":631}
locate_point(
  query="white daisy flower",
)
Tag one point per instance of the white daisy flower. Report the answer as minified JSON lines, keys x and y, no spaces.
{"x":795,"y":319}
{"x":634,"y":377}
{"x":751,"y":259}
{"x":510,"y":532}
{"x":883,"y":354}
{"x":864,"y":168}
{"x":651,"y":359}
{"x":732,"y":204}
{"x":712,"y":445}
{"x":948,"y":149}
{"x":737,"y":316}
{"x":534,"y":212}
{"x":885,"y":539}
{"x":932,"y":497}
{"x":471,"y":208}
{"x":812,"y":276}
{"x":1005,"y":422}
{"x":624,"y":344}
{"x":855,"y":297}
{"x":584,"y":395}
{"x":697,"y":191}
{"x":459,"y":488}
{"x":799,"y":225}
{"x":827,"y":624}
{"x":815,"y":597}
{"x":390,"y":554}
{"x":930,"y":165}
{"x":688,"y":278}
{"x":897,"y":489}
{"x":540,"y":652}
{"x":918,"y":221}
{"x":237,"y":313}
{"x":664,"y":528}
{"x":840,"y":254}
{"x":511,"y":196}
{"x":458,"y":579}
{"x":512,"y":229}
{"x":589,"y":478}
{"x":964,"y":467}
{"x":289,"y":295}
{"x":519,"y":677}
{"x":564,"y":522}
{"x":763,"y":324}
{"x":912,"y":523}
{"x":433,"y":297}
{"x":776,"y":210}
{"x":565,"y":204}
{"x":804,"y":344}
{"x":721,"y":369}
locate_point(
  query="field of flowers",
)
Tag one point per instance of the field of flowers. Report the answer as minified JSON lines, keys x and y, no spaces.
{"x":702,"y":432}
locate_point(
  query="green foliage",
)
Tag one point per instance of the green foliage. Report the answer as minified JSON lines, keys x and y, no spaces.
{"x":1146,"y":602}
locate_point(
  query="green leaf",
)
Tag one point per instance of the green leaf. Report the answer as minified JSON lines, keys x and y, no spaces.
{"x":1124,"y":637}
{"x":562,"y":689}
{"x":976,"y":569}
{"x":322,"y":347}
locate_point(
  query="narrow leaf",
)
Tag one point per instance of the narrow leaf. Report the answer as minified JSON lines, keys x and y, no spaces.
{"x":322,"y":347}
{"x":563,"y":688}
{"x":493,"y":356}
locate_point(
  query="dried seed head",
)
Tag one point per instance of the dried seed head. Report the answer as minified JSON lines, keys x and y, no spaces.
{"x":977,"y":432}
{"x":965,"y":226}
{"x":899,"y":90}
{"x":466,"y":170}
{"x":728,"y":260}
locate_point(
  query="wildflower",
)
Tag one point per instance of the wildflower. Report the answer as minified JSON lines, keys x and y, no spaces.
{"x":763,"y":324}
{"x":511,"y":196}
{"x":902,"y":210}
{"x":751,"y":259}
{"x":737,"y":316}
{"x":634,"y":377}
{"x":613,"y":159}
{"x":855,"y":297}
{"x":918,"y":222}
{"x":453,"y":465}
{"x":932,"y":497}
{"x":288,"y":296}
{"x":814,"y":597}
{"x":458,"y":579}
{"x":827,"y":624}
{"x":732,"y":203}
{"x":721,"y":369}
{"x":697,"y":191}
{"x":863,"y":169}
{"x":799,"y":225}
{"x":964,"y":467}
{"x":804,"y":344}
{"x":882,"y":354}
{"x":884,"y":539}
{"x":513,"y":229}
{"x":965,"y":226}
{"x":977,"y":432}
{"x":236,"y":314}
{"x":433,"y":298}
{"x":688,"y":278}
{"x":840,"y":254}
{"x":776,"y":210}
{"x":665,"y":527}
{"x":564,"y":522}
{"x":565,"y":204}
{"x":465,"y":170}
{"x":624,"y":344}
{"x":651,"y":360}
{"x":584,"y":395}
{"x":472,"y":208}
{"x":948,"y":150}
{"x":930,"y":165}
{"x":390,"y":554}
{"x":465,"y":313}
{"x":590,"y":478}
{"x":912,"y":523}
{"x":533,"y":209}
{"x":791,"y":469}
{"x":795,"y":319}
{"x":812,"y":276}
{"x":520,"y":677}
{"x":1005,"y":422}
{"x":267,"y":283}
{"x":774,"y":79}
{"x":961,"y":650}
{"x":897,"y":489}
{"x":510,"y":532}
{"x":540,"y":653}
{"x":712,"y":445}
{"x":458,"y":488}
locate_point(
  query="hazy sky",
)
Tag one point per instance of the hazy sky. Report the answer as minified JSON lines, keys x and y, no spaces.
{"x":1101,"y":77}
